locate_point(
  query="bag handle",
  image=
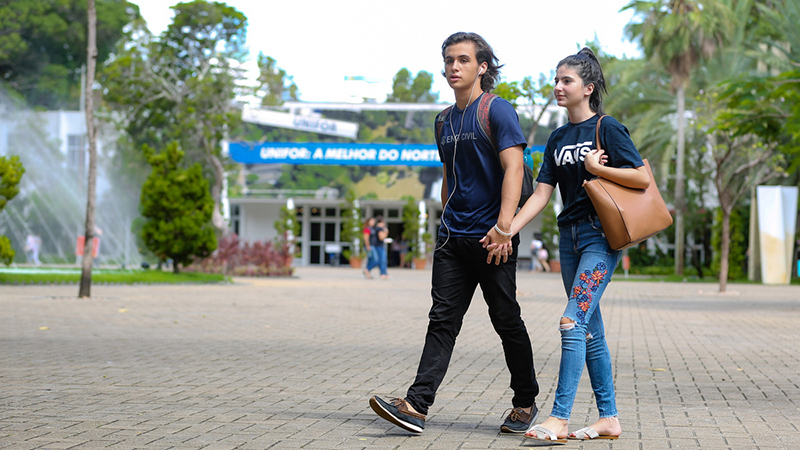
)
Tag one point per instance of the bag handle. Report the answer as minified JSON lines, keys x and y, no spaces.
{"x":597,"y":133}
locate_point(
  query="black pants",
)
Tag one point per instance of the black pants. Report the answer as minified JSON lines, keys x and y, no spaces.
{"x":458,"y":268}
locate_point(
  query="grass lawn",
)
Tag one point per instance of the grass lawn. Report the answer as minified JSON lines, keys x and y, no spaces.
{"x":618,"y":275}
{"x":105,"y":276}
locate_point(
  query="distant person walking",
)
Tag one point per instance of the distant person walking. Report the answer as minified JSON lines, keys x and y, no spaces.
{"x":536,"y":245}
{"x":32,"y":245}
{"x":380,"y":233}
{"x":542,"y":256}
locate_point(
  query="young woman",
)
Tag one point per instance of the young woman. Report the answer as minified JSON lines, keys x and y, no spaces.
{"x":587,"y":262}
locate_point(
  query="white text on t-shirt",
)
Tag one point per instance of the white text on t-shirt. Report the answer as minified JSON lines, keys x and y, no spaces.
{"x":571,"y":154}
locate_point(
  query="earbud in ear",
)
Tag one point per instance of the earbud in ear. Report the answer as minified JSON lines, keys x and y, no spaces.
{"x":480,"y":71}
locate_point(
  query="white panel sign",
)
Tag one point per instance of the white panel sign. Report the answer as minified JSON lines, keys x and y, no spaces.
{"x":777,"y":214}
{"x":302,"y":123}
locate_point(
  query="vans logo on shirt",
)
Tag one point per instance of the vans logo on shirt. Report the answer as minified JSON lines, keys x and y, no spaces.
{"x":571,"y":154}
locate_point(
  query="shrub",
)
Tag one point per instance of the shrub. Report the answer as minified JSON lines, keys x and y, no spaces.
{"x":236,"y":258}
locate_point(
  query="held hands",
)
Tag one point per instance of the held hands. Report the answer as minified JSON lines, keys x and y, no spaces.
{"x":498,"y":245}
{"x":594,"y":160}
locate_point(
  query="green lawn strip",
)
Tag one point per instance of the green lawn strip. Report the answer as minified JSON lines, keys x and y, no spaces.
{"x":114,"y":277}
{"x":688,"y":279}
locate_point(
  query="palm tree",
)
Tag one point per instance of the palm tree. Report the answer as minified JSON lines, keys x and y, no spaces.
{"x":679,"y":34}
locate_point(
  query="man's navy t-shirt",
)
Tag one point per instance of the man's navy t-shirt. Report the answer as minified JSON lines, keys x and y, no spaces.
{"x":563,"y":161}
{"x":476,"y":187}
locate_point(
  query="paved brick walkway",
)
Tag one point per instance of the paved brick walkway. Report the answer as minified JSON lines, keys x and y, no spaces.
{"x":291,"y":363}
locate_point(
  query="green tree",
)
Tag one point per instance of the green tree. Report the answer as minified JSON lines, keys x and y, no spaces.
{"x":419,"y":246}
{"x":409,"y":89}
{"x":679,"y":34}
{"x":742,"y":161}
{"x":43,"y":46}
{"x":411,"y":126}
{"x":352,"y":226}
{"x":11,"y":172}
{"x":537,"y":95}
{"x":182,"y":85}
{"x":274,"y":86}
{"x":734,"y":267}
{"x":178,"y":206}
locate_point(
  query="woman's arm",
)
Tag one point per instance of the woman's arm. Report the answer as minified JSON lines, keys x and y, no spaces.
{"x":636,"y":178}
{"x":534,"y":206}
{"x":366,"y":241}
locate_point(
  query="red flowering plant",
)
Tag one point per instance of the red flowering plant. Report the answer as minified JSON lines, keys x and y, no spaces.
{"x":236,"y":258}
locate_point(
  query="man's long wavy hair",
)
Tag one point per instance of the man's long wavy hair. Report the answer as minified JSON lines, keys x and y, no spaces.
{"x":483,"y":53}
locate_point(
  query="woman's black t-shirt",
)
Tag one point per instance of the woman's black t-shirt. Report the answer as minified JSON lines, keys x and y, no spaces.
{"x":563,"y":161}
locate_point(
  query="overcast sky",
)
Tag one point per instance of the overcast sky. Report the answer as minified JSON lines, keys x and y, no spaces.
{"x":321,"y":42}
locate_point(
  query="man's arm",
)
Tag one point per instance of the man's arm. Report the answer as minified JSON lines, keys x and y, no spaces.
{"x":513,"y":165}
{"x":444,"y":185}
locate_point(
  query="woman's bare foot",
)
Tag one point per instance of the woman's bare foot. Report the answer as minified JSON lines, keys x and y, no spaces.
{"x":607,"y":426}
{"x":559,"y":427}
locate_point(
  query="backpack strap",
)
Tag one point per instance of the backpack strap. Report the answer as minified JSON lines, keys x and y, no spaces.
{"x":483,"y":116}
{"x":441,"y":118}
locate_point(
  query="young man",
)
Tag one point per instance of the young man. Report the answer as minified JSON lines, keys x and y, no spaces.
{"x":480,"y":193}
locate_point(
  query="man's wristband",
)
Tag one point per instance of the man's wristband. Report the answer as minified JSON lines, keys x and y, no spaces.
{"x":503,"y":233}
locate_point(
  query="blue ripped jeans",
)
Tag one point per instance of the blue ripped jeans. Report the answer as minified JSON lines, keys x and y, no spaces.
{"x":587,"y":263}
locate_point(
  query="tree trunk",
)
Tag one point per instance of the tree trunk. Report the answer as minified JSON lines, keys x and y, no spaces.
{"x":91,"y":131}
{"x":680,"y":201}
{"x":753,"y":249}
{"x":216,"y":193}
{"x":725,"y":248}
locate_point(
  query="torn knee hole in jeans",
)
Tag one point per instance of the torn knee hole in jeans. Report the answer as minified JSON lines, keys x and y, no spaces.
{"x":569,"y":324}
{"x":566,"y":324}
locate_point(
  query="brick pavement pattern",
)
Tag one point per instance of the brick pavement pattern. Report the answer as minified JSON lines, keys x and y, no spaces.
{"x":290,"y":363}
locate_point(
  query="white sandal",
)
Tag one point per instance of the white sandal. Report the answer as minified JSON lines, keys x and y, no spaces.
{"x":551,"y":437}
{"x":589,"y":433}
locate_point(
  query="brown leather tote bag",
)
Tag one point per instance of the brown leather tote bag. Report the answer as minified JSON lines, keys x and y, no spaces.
{"x":628,"y":215}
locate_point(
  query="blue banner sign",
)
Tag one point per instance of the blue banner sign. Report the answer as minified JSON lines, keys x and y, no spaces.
{"x":353,"y":154}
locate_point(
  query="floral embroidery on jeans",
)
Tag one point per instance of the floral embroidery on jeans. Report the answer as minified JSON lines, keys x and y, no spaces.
{"x":582,"y":293}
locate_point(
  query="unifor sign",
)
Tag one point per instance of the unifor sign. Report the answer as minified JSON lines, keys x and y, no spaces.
{"x":313,"y":124}
{"x":335,"y":153}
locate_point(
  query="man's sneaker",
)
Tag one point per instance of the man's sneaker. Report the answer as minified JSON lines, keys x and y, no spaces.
{"x":397,"y":412}
{"x":518,"y":421}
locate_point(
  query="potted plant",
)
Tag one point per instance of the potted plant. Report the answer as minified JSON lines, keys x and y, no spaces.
{"x":419,"y":245}
{"x":288,"y":228}
{"x":352,"y":230}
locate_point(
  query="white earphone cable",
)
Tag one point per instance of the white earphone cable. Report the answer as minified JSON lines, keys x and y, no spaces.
{"x":455,"y":148}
